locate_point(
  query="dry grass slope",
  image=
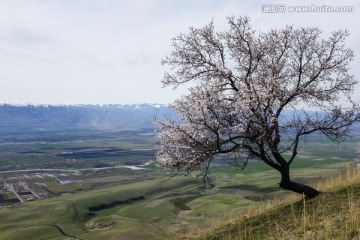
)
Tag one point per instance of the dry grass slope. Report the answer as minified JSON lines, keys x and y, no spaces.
{"x":335,"y":214}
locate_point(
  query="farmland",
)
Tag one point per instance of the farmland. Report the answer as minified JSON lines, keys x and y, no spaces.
{"x":102,"y":184}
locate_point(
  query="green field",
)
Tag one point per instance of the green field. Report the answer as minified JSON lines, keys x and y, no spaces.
{"x":167,"y":205}
{"x":122,"y":203}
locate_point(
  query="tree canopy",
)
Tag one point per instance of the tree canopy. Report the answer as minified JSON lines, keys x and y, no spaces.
{"x":242,"y":82}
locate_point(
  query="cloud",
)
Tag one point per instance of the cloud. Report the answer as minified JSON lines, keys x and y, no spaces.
{"x":90,"y":51}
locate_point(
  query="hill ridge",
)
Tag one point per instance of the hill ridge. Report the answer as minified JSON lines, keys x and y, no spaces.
{"x":334,"y":214}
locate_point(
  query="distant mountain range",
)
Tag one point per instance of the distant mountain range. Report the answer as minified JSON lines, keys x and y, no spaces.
{"x":96,"y":117}
{"x":113,"y":116}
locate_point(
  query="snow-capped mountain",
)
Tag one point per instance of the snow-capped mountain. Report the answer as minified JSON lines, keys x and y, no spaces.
{"x":131,"y":116}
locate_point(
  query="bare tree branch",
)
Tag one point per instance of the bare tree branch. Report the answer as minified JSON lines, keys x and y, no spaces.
{"x":244,"y":83}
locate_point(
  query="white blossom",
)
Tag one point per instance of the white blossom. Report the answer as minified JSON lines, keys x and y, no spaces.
{"x":243,"y":81}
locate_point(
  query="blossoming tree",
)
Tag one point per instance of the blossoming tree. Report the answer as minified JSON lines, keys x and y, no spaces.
{"x":242,"y":82}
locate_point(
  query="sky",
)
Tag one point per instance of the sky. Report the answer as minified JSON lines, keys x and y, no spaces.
{"x":109,"y":51}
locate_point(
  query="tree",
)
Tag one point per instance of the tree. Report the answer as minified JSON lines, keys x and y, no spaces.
{"x":242,"y":85}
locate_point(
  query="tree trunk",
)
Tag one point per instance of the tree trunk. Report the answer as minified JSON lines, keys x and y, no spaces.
{"x":287,"y":184}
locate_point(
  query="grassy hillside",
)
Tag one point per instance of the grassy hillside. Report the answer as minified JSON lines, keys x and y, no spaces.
{"x":165,"y":207}
{"x":335,"y":214}
{"x":118,"y":212}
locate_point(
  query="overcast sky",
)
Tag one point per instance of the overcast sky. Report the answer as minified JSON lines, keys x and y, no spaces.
{"x":109,"y":51}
